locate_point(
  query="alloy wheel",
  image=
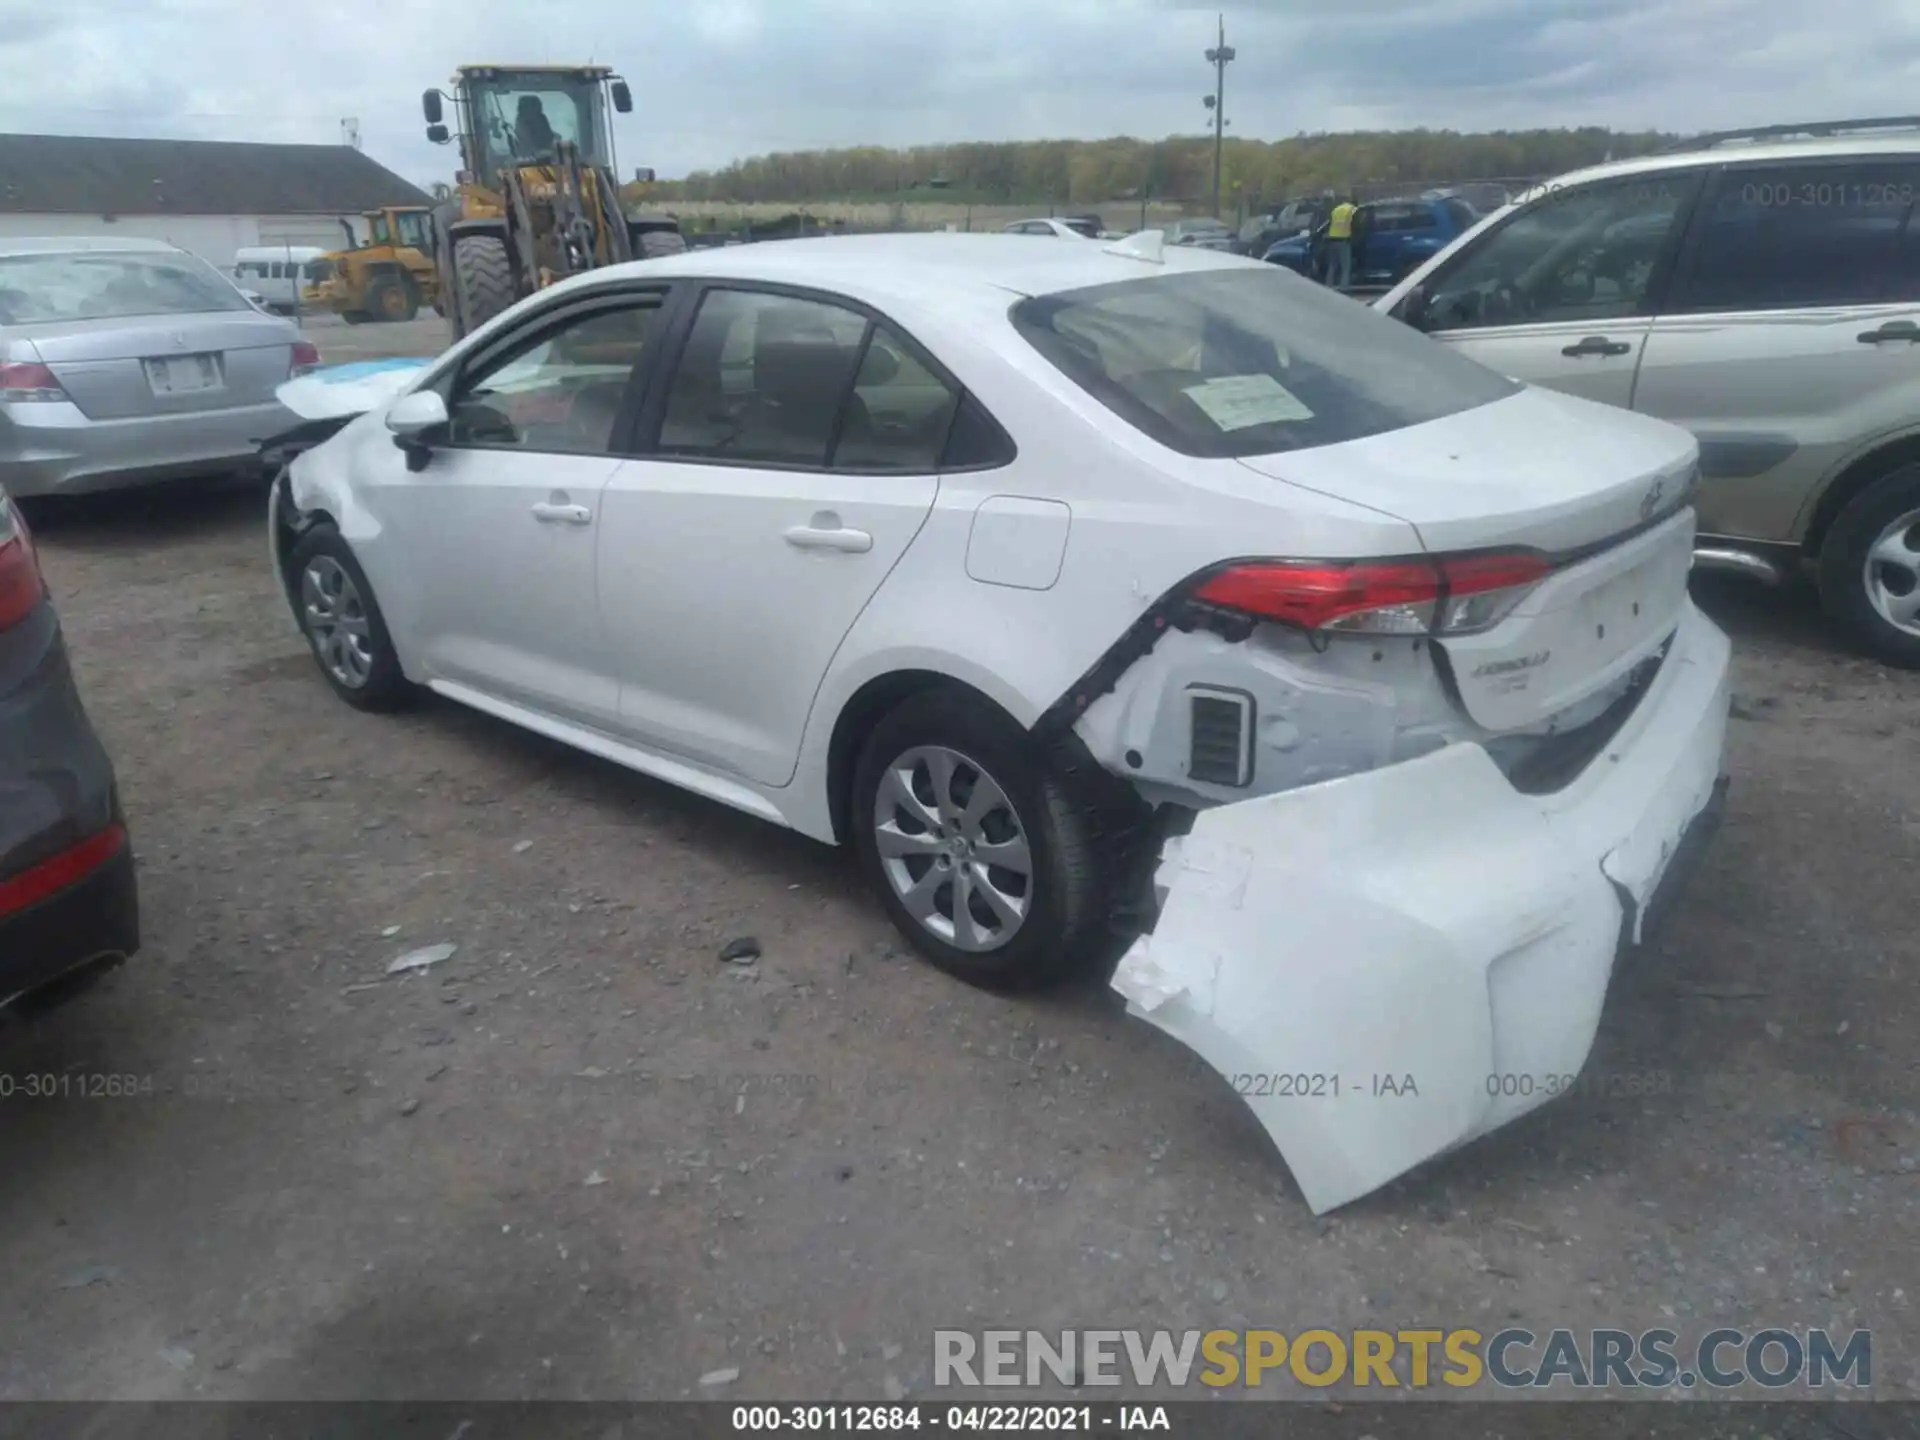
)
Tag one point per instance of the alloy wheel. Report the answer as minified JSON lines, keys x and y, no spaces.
{"x":1893,"y":574}
{"x":953,"y":848}
{"x":336,"y":621}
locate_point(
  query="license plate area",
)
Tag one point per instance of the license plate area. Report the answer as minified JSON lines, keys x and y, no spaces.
{"x":184,"y":374}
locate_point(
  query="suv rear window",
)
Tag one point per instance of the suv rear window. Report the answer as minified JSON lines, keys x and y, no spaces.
{"x":1249,"y":361}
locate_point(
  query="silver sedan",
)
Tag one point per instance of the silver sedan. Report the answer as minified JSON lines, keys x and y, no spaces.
{"x":124,"y":361}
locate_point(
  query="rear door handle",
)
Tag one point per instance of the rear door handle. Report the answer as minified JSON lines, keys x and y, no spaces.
{"x":1597,"y":345}
{"x":824,"y":532}
{"x":552,"y":514}
{"x":1892,"y":330}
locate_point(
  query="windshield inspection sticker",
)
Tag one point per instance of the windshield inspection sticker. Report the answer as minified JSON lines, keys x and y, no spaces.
{"x":1235,"y":402}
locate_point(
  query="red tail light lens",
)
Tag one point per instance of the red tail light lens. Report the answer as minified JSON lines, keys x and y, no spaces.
{"x":20,"y":583}
{"x":1447,"y":595}
{"x":306,"y":356}
{"x":29,"y":382}
{"x":69,"y":867}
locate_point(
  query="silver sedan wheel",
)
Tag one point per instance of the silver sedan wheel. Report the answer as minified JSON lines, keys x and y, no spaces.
{"x":1893,"y":573}
{"x":336,"y":621}
{"x":953,"y":848}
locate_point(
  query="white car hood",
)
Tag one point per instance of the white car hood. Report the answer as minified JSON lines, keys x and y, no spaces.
{"x":353,"y":389}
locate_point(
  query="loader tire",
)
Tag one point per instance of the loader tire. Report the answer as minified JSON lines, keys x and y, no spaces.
{"x":658,"y":244}
{"x":485,"y":278}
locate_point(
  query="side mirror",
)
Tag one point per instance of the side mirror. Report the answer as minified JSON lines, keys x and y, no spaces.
{"x":644,"y":174}
{"x":622,"y":97}
{"x":437,"y":134}
{"x":430,"y":106}
{"x":412,"y":417}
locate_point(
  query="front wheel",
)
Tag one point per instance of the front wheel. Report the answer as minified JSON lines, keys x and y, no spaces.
{"x":1870,"y":568}
{"x":981,"y":855}
{"x":343,"y":623}
{"x":485,"y":276}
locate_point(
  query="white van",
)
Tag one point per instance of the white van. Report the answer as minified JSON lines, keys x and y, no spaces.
{"x":276,"y":272}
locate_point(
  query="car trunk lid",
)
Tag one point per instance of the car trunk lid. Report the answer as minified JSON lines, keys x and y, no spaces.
{"x":1602,"y":494}
{"x":165,"y":364}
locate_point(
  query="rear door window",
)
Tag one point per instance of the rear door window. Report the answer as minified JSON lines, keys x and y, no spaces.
{"x":1781,"y":237}
{"x":1249,"y":361}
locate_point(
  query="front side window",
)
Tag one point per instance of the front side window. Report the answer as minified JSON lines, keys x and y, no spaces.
{"x":379,"y":230}
{"x":1786,"y":236}
{"x":762,"y":378}
{"x":1249,"y":361}
{"x":561,"y":393}
{"x":1581,"y":254}
{"x":105,"y":285}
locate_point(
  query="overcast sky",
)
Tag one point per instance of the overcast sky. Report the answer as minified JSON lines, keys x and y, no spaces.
{"x":718,"y":79}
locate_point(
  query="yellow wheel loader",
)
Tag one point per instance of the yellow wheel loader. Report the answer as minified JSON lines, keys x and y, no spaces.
{"x":537,"y":196}
{"x":388,"y":278}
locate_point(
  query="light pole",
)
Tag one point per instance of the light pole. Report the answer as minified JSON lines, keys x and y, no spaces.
{"x":1217,"y":102}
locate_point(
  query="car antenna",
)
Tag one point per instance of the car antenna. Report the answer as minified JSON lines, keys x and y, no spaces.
{"x":1148,"y":245}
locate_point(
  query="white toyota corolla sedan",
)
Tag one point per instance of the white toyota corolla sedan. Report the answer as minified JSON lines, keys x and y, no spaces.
{"x":1082,"y":589}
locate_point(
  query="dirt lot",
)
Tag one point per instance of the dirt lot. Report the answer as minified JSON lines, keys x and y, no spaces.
{"x":584,"y":1157}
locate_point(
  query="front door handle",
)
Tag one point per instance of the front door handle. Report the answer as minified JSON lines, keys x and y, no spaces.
{"x":1892,"y":330}
{"x":824,"y":532}
{"x":552,"y":514}
{"x":1597,"y":345}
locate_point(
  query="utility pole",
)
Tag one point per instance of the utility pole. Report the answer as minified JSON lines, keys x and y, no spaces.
{"x":1217,"y":102}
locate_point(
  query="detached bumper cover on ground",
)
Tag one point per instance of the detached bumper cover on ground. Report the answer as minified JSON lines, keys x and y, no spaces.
{"x":1424,"y":922}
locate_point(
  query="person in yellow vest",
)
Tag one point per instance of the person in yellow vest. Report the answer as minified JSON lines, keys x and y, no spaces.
{"x":1340,"y":244}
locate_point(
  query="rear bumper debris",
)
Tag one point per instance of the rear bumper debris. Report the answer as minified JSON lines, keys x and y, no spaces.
{"x":1387,"y":965}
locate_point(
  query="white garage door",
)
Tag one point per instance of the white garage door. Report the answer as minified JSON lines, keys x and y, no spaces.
{"x":325,"y":233}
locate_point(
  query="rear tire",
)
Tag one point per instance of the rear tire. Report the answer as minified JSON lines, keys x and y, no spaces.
{"x":485,"y":276}
{"x":658,"y":244}
{"x":343,"y":624}
{"x":1870,"y":568}
{"x":355,"y":317}
{"x":392,"y":299}
{"x":919,"y":836}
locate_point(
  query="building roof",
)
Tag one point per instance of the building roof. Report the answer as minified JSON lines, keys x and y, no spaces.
{"x":91,"y":175}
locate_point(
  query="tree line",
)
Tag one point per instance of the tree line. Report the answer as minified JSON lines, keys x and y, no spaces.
{"x":1065,"y":172}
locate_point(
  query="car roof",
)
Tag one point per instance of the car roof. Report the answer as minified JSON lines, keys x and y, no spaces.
{"x":940,"y":270}
{"x":1891,"y":147}
{"x":79,"y":244}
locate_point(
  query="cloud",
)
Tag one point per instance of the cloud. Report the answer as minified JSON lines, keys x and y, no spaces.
{"x":727,"y":78}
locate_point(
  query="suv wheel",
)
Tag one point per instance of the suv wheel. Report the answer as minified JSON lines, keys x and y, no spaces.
{"x":981,"y":856}
{"x":1870,"y":568}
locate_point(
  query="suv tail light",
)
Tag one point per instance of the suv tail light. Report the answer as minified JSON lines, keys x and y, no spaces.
{"x":306,"y":357}
{"x":31,"y":381}
{"x":1437,"y":595}
{"x":20,"y":584}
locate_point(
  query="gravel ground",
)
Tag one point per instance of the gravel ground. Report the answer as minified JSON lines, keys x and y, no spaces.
{"x":585,"y":1158}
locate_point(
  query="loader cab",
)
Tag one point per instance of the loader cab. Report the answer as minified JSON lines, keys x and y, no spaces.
{"x":399,"y":227}
{"x":513,"y":117}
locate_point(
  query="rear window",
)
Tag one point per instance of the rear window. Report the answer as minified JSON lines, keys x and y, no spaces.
{"x":104,"y":285}
{"x":1250,"y":361}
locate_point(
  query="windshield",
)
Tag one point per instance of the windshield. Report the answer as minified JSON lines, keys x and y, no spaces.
{"x":1249,"y":361}
{"x":519,"y":117}
{"x":103,"y":285}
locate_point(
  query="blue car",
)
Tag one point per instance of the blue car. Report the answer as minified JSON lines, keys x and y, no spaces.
{"x":1390,"y":239}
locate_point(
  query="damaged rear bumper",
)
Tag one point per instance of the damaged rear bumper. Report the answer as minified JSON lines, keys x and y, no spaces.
{"x":1388,"y":965}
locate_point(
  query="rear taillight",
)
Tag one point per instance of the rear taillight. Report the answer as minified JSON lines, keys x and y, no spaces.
{"x":20,"y":583}
{"x":306,"y":356}
{"x":1438,"y":595}
{"x":68,"y":868}
{"x":29,"y":382}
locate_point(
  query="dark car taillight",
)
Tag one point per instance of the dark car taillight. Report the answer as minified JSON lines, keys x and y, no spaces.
{"x":1436,"y":595}
{"x":21,"y":587}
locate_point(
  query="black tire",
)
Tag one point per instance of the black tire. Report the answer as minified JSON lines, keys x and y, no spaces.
{"x":384,"y":686}
{"x":1844,"y":562}
{"x":658,"y":244}
{"x":392,"y":299}
{"x":354,"y":317}
{"x":1064,"y":928}
{"x":485,"y":277}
